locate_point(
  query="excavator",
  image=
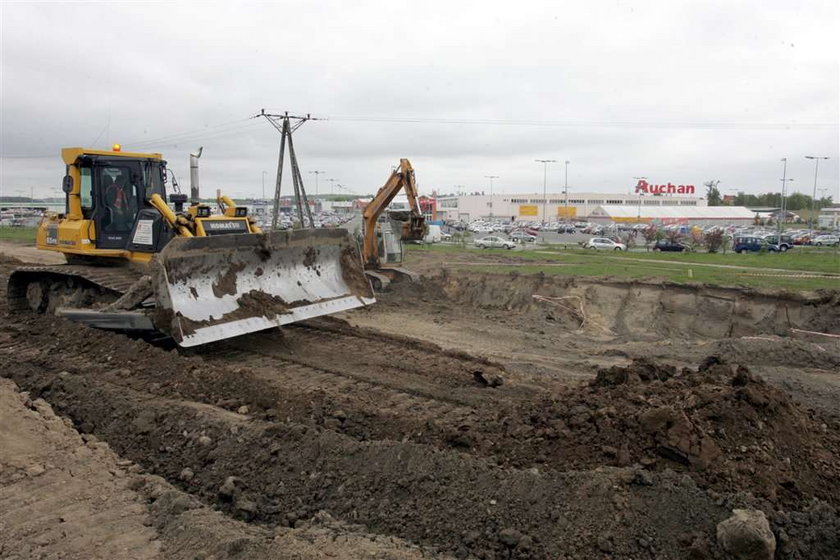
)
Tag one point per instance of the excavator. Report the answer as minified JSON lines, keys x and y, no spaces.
{"x":383,"y":234}
{"x":133,"y":263}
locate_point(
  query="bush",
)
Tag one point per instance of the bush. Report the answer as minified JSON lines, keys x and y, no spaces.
{"x":715,"y":240}
{"x":650,"y":234}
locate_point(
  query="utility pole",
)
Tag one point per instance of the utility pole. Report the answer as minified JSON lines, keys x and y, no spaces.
{"x":316,"y":179}
{"x":491,"y":177}
{"x":783,"y":216}
{"x":814,"y":196}
{"x":545,"y":163}
{"x":263,"y":185}
{"x":285,"y":127}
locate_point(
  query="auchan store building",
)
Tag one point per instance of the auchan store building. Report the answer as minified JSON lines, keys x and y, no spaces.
{"x":559,"y":207}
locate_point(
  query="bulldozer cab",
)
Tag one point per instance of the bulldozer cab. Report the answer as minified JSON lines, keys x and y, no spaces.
{"x":115,"y":194}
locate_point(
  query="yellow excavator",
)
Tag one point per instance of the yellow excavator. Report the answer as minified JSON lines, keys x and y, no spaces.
{"x":384,"y":232}
{"x":136,"y":264}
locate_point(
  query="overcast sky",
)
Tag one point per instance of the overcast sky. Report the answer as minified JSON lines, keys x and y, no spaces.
{"x":674,"y":91}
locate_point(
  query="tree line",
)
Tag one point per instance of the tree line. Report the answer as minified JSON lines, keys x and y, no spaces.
{"x":794,"y":201}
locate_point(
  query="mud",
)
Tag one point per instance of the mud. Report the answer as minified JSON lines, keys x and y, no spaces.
{"x":353,"y":273}
{"x":69,"y":496}
{"x":604,"y":421}
{"x":225,"y":285}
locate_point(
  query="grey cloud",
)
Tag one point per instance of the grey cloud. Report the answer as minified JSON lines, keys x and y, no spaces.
{"x":145,"y":74}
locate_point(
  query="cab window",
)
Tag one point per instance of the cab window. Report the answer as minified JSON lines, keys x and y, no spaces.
{"x":153,"y":175}
{"x":119,"y":191}
{"x":86,"y":191}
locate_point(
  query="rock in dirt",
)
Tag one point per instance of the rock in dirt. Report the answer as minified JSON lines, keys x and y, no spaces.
{"x":641,"y":369}
{"x":228,"y":490}
{"x":747,"y":535}
{"x":485,"y":380}
{"x":510,"y":537}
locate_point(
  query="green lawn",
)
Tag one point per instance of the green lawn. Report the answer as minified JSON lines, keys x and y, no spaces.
{"x":18,"y":234}
{"x":753,"y":270}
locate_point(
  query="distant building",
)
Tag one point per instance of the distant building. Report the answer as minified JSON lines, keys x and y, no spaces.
{"x":665,"y":215}
{"x":550,"y":208}
{"x":829,"y":217}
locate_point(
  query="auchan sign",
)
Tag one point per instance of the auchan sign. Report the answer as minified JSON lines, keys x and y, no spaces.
{"x":644,"y":187}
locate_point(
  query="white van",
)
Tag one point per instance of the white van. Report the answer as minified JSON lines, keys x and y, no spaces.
{"x":434,"y":235}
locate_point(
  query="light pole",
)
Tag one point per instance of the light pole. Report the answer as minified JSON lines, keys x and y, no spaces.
{"x":316,"y":179}
{"x":332,"y":184}
{"x":545,"y":163}
{"x":639,"y":215}
{"x":491,"y":177}
{"x":814,"y":196}
{"x":566,"y":191}
{"x":784,"y":183}
{"x":263,"y":183}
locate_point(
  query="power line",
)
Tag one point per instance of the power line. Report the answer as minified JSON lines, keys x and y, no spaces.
{"x":595,"y":124}
{"x":210,"y":132}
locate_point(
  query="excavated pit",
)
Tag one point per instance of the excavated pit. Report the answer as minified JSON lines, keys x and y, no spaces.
{"x":401,"y":421}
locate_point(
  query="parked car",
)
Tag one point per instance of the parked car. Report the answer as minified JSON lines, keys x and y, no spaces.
{"x":523,"y":237}
{"x":666,"y":245}
{"x":831,"y":240}
{"x":752,"y":244}
{"x":566,"y":228}
{"x":604,"y":244}
{"x":783,"y":242}
{"x":493,"y":242}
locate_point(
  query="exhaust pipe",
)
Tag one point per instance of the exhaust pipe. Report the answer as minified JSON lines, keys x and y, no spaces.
{"x":194,"y":198}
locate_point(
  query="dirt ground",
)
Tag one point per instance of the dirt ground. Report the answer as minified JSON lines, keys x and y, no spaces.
{"x":467,"y":415}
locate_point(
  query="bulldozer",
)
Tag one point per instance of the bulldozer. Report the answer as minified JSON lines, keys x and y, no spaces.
{"x":135,"y":264}
{"x":384,"y":230}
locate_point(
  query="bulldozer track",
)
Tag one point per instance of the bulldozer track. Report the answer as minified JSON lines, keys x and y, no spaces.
{"x":115,"y":279}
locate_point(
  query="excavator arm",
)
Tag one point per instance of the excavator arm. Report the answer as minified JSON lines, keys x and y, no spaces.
{"x":413,"y":229}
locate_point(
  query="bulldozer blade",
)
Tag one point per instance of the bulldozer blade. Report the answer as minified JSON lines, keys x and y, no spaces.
{"x":217,"y":287}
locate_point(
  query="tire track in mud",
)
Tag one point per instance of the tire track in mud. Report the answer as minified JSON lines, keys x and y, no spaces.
{"x":283,"y":472}
{"x":361,"y":401}
{"x":382,"y":364}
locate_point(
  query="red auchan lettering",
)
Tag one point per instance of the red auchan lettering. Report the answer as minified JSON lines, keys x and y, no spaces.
{"x":644,"y":187}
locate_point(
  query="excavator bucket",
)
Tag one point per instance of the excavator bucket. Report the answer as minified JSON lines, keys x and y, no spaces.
{"x":217,"y":287}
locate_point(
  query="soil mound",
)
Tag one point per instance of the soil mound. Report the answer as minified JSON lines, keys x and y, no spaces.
{"x":8,"y":264}
{"x":726,"y":427}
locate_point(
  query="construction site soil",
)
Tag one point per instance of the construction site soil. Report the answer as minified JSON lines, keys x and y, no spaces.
{"x":467,"y":415}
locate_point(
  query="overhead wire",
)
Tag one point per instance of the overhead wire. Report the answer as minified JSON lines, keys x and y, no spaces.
{"x":592,"y":124}
{"x":190,"y":134}
{"x":209,"y":132}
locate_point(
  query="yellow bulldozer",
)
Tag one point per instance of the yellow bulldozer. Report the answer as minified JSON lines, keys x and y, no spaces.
{"x":135,"y":263}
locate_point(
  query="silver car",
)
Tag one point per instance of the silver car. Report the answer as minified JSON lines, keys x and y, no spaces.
{"x":604,"y":243}
{"x":831,"y":240}
{"x":493,"y":242}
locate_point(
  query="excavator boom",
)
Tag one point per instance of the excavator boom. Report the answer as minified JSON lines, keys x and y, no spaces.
{"x":413,"y":227}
